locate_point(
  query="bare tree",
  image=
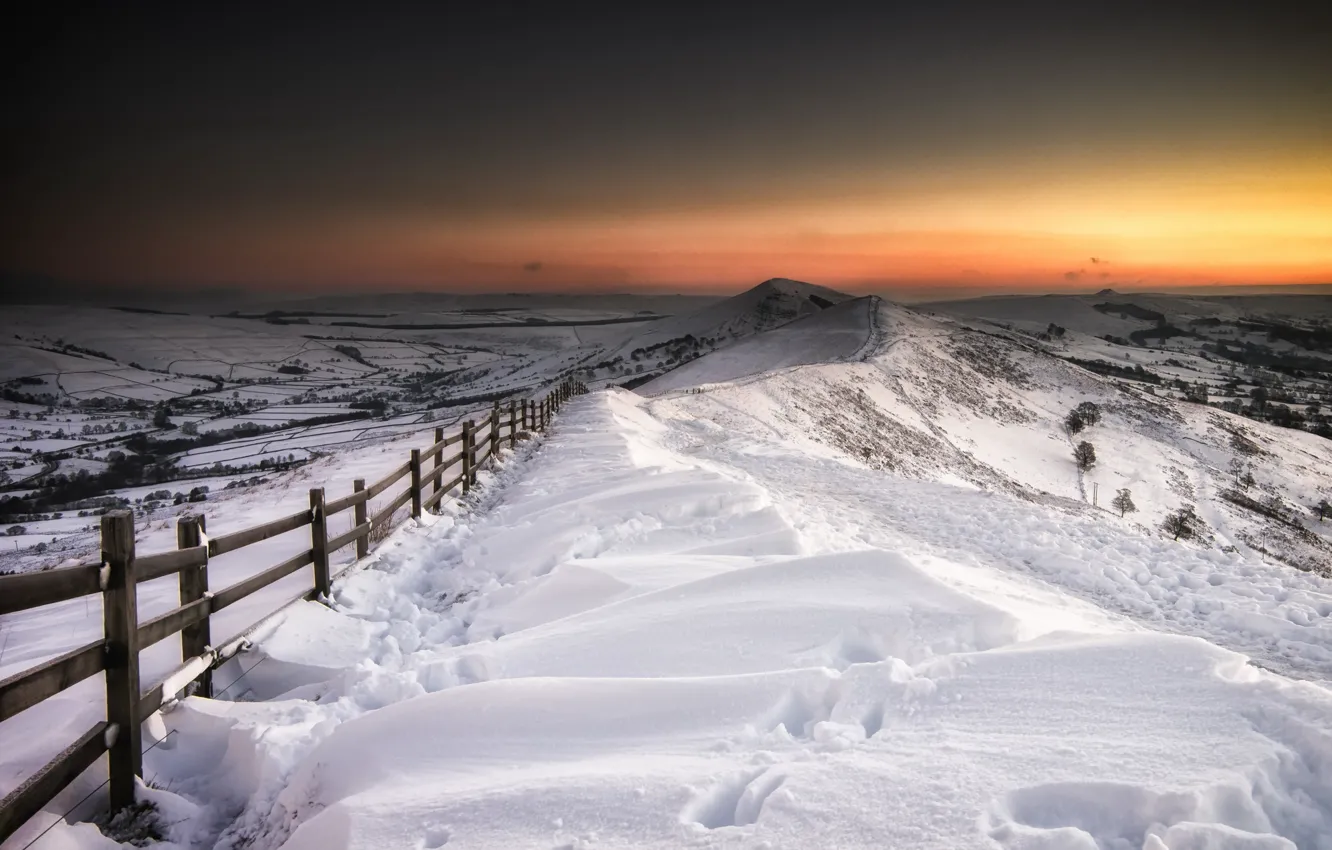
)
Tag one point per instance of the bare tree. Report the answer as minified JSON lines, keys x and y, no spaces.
{"x":1089,"y":411}
{"x":1181,"y":523}
{"x":1123,"y":502}
{"x":1085,"y":455}
{"x":1243,"y":473}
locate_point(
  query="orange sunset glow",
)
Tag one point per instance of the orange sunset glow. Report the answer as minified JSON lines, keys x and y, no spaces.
{"x":1173,"y":153}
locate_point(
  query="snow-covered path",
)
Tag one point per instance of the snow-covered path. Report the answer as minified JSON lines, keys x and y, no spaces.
{"x":667,"y":633}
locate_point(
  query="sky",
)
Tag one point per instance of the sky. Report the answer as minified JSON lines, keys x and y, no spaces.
{"x":936,"y":148}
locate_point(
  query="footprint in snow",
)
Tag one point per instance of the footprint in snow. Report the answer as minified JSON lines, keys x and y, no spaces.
{"x":736,"y":800}
{"x":436,"y":836}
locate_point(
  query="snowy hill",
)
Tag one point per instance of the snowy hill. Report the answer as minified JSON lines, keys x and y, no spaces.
{"x":666,"y":342}
{"x":259,"y":391}
{"x":837,"y":583}
{"x":834,"y":582}
{"x":771,"y":304}
{"x":1081,"y":312}
{"x":662,"y":631}
{"x":830,"y":335}
{"x":939,"y":401}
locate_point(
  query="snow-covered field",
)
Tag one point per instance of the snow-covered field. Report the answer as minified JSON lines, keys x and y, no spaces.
{"x":839,"y":584}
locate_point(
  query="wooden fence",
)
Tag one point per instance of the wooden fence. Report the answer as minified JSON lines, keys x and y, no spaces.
{"x":115,"y":577}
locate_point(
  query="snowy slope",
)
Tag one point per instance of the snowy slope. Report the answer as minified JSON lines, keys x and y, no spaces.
{"x":827,"y":336}
{"x":32,"y":637}
{"x":1077,"y":312}
{"x":939,"y":401}
{"x":836,"y":585}
{"x":769,"y":305}
{"x":665,"y":632}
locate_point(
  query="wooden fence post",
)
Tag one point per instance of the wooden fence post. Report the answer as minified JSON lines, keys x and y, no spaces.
{"x":467,"y":456}
{"x":494,"y":430}
{"x":319,"y":541}
{"x":416,"y":483}
{"x":439,"y":456}
{"x":513,"y":423}
{"x":359,"y":513}
{"x":473,"y":452}
{"x":120,"y":610}
{"x":196,"y":638}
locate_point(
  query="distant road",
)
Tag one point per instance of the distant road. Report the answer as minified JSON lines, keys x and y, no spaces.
{"x":47,"y":468}
{"x":526,"y":323}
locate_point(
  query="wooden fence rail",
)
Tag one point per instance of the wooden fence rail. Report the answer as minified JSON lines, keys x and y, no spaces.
{"x":120,"y":569}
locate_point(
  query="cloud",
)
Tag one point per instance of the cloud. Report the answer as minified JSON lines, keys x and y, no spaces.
{"x":534,"y":266}
{"x":1097,"y":261}
{"x":1072,"y":275}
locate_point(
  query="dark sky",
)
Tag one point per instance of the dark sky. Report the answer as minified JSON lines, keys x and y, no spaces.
{"x":552,"y":145}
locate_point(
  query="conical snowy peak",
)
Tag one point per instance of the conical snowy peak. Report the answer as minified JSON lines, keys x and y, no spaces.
{"x":783,"y":286}
{"x":663,"y":344}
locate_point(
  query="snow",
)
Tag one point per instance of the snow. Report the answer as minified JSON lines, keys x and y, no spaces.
{"x":834,"y":334}
{"x":835,"y":585}
{"x":31,"y":637}
{"x":643,"y":636}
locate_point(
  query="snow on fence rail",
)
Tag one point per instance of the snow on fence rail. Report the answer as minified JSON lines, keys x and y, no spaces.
{"x":120,"y":569}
